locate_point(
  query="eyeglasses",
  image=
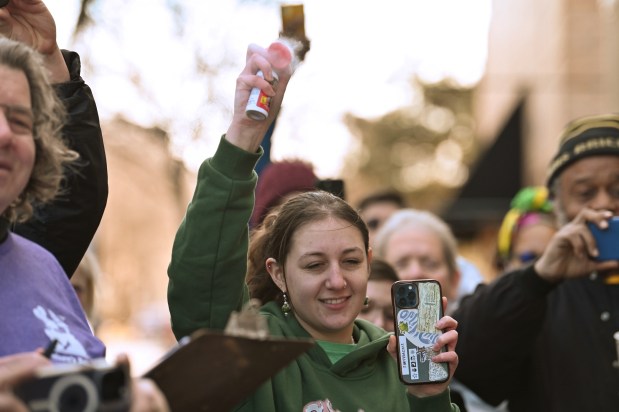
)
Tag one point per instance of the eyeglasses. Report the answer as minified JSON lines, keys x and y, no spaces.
{"x":527,"y":257}
{"x":373,"y":224}
{"x":20,"y":119}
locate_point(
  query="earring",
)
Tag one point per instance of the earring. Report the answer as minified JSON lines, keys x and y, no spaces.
{"x":286,"y":306}
{"x":366,"y":301}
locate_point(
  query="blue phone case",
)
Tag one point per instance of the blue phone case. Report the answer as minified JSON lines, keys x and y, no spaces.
{"x":607,"y":240}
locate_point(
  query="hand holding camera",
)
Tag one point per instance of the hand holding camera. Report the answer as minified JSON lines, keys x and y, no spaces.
{"x":606,"y":239}
{"x":575,"y":250}
{"x":96,"y":386}
{"x":14,"y":369}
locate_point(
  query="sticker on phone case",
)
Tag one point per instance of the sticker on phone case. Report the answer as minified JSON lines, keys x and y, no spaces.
{"x":416,"y":336}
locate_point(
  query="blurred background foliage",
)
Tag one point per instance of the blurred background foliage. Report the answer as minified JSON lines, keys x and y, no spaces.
{"x":423,"y":150}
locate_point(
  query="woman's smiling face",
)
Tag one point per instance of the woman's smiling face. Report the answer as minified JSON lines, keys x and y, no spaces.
{"x":326,"y":275}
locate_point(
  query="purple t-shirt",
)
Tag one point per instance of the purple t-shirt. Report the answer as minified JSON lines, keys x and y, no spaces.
{"x":38,"y":304}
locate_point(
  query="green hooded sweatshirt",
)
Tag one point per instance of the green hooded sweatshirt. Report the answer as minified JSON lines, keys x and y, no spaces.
{"x":207,"y":282}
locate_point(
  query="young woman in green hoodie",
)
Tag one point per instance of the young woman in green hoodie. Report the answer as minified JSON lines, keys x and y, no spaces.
{"x":313,"y":266}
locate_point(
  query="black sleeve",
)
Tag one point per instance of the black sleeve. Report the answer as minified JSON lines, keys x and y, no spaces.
{"x":66,"y":226}
{"x":497,"y":328}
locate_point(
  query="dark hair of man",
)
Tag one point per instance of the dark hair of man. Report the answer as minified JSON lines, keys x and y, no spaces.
{"x":381,"y":270}
{"x":382,"y":197}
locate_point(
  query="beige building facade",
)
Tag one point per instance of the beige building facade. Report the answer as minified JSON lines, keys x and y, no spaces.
{"x":560,"y":58}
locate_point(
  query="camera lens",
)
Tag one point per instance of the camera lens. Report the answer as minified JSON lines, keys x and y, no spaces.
{"x":412,"y":299}
{"x":74,"y":393}
{"x":406,"y":295}
{"x":73,"y":399}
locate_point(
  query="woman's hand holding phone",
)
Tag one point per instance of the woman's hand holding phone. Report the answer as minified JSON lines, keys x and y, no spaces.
{"x":444,"y":347}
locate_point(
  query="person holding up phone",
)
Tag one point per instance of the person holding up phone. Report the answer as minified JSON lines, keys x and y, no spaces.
{"x":556,"y":317}
{"x":312,"y":275}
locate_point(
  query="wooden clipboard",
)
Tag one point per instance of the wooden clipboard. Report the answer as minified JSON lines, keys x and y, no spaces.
{"x":213,"y":371}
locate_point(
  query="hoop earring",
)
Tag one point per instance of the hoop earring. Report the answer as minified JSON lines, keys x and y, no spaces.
{"x":286,"y":306}
{"x":366,"y":301}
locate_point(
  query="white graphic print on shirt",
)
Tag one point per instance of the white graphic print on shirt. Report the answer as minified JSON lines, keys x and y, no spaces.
{"x":68,"y":349}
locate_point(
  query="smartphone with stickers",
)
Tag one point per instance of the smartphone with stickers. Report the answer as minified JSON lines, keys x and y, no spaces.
{"x":417,"y":306}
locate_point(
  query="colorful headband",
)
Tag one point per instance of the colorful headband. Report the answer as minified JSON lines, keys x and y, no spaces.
{"x":529,"y":201}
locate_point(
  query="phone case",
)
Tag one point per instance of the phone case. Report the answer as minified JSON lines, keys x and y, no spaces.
{"x":417,"y":306}
{"x":607,"y":240}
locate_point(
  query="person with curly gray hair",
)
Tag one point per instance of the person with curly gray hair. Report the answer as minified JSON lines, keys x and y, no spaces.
{"x":39,"y":306}
{"x":67,"y":224}
{"x":36,"y":294}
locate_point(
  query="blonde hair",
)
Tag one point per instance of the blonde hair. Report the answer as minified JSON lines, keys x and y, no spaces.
{"x":90,"y":271}
{"x":52,"y":155}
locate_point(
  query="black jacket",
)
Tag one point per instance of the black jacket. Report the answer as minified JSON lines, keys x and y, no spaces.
{"x":66,"y":226}
{"x":543,"y":347}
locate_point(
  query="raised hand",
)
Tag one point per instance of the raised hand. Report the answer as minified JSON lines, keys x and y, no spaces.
{"x":243,"y":131}
{"x":30,"y":22}
{"x":572,"y":249}
{"x":449,"y":339}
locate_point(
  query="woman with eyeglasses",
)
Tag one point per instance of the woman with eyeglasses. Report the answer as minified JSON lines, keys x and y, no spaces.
{"x":526,"y":229}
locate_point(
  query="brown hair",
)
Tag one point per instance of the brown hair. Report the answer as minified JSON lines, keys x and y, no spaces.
{"x":273,"y":238}
{"x":381,"y":270}
{"x":48,"y":117}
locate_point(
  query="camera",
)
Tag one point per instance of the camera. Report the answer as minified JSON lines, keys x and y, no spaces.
{"x":92,"y":387}
{"x":607,"y":240}
{"x":405,"y":295}
{"x":333,"y":186}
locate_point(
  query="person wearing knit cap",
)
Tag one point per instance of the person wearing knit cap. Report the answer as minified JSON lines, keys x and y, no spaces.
{"x":556,"y":316}
{"x":587,"y":141}
{"x":526,"y":228}
{"x":279,"y":180}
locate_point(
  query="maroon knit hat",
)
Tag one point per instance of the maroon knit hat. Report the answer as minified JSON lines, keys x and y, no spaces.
{"x":277,"y":180}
